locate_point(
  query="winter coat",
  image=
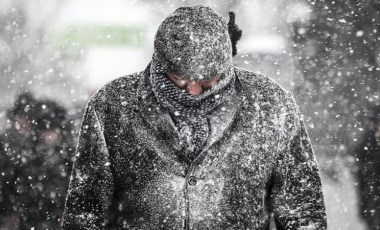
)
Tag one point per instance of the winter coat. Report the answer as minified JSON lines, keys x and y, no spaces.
{"x":130,"y":171}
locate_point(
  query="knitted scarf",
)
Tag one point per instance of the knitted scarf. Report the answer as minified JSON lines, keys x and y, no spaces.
{"x":190,"y":113}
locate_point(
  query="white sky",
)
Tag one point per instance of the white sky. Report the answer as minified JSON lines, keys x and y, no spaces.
{"x":103,"y":12}
{"x":104,"y":63}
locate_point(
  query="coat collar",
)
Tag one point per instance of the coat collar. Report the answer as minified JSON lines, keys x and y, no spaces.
{"x":156,"y":116}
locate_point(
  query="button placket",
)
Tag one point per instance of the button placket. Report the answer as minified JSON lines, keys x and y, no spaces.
{"x":191,"y":181}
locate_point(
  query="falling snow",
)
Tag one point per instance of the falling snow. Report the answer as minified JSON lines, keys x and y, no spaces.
{"x":288,"y":136}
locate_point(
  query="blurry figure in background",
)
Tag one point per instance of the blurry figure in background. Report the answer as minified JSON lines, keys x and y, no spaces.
{"x":53,"y":150}
{"x":368,"y":153}
{"x":36,"y":186}
{"x":18,"y":140}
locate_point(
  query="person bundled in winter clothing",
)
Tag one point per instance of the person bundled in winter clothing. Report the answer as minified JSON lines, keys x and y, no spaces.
{"x":37,"y":159}
{"x":17,"y":141}
{"x":368,"y":174}
{"x":194,"y":142}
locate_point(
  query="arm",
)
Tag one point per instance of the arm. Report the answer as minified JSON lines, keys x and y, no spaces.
{"x":91,"y":183}
{"x":297,"y":198}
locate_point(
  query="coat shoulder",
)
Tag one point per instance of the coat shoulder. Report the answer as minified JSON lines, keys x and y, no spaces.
{"x":263,"y":98}
{"x":121,"y":92}
{"x":259,"y":88}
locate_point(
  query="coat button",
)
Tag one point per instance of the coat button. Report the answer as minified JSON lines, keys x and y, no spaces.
{"x":192,"y":180}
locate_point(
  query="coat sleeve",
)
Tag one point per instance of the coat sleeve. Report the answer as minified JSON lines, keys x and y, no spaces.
{"x":297,"y":198}
{"x":91,"y":184}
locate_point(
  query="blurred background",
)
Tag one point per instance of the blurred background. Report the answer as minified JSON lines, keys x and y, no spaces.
{"x":326,"y":53}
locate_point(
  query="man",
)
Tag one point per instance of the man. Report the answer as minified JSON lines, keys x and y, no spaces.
{"x":193,"y":142}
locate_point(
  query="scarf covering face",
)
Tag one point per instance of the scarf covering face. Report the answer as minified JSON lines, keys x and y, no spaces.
{"x":190,"y":113}
{"x":193,"y":43}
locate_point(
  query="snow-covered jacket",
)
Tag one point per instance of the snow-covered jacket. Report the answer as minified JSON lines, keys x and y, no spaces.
{"x":130,"y":171}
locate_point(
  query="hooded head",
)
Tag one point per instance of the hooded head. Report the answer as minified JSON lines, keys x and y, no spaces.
{"x":22,"y":114}
{"x":195,"y":43}
{"x":23,"y":106}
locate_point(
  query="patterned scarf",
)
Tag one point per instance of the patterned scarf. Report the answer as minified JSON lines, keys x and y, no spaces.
{"x":190,"y":113}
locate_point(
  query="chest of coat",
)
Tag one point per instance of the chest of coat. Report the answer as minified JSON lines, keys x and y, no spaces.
{"x":244,"y":155}
{"x":153,"y":176}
